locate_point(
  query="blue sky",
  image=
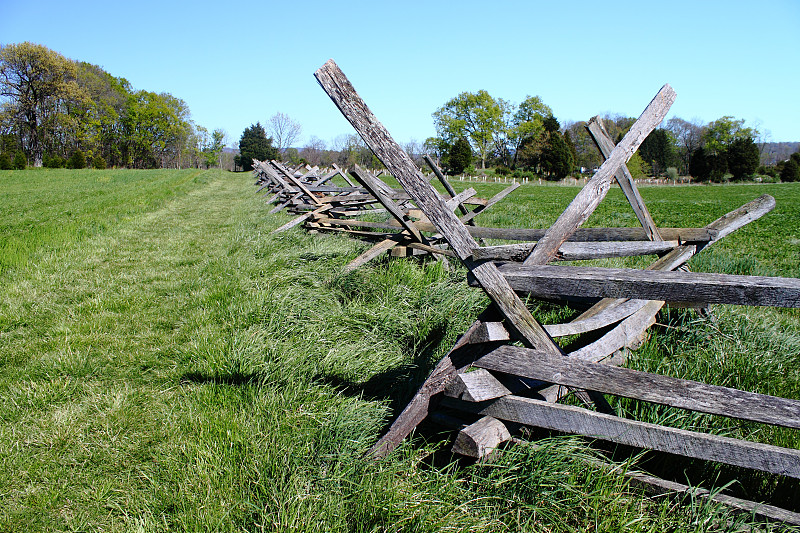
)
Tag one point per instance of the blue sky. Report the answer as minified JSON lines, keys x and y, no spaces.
{"x":235,"y":63}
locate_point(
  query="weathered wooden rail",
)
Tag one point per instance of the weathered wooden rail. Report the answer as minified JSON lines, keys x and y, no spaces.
{"x":501,"y":385}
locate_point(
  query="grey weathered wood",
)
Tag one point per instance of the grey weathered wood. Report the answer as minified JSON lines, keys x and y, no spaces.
{"x":459,"y":356}
{"x":372,"y":253}
{"x":302,"y":218}
{"x":575,"y":420}
{"x":491,"y":332}
{"x":371,"y":183}
{"x":443,"y":180}
{"x":576,"y":251}
{"x":624,"y":178}
{"x":717,"y":229}
{"x":582,"y":235}
{"x":476,"y":386}
{"x":343,"y":174}
{"x":457,"y":200}
{"x":613,"y":314}
{"x":590,"y":196}
{"x":550,"y":281}
{"x":493,"y":200}
{"x":481,"y":438}
{"x":340,"y":90}
{"x":664,"y":390}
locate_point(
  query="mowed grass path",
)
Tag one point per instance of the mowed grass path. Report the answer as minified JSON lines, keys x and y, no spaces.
{"x":169,"y":365}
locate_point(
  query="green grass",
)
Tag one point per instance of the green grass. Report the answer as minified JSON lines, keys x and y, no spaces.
{"x":166,"y":364}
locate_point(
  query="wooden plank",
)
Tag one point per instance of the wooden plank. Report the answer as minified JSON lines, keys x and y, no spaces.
{"x":491,"y":332}
{"x":582,"y":235}
{"x":575,"y":420}
{"x":457,"y":200}
{"x":372,"y":253}
{"x":476,"y":386}
{"x":459,"y":356}
{"x":493,"y":200}
{"x":664,"y":390}
{"x":371,"y":184}
{"x":576,"y":251}
{"x":302,"y":218}
{"x":480,"y":439}
{"x":590,"y":196}
{"x":624,"y":178}
{"x":548,"y":281}
{"x":344,"y":96}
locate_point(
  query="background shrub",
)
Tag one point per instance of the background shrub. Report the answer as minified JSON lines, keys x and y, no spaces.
{"x":5,"y":162}
{"x":19,"y":161}
{"x":99,"y":163}
{"x":76,"y":160}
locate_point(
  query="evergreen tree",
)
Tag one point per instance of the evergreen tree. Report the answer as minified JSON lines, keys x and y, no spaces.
{"x":742,"y":158}
{"x":459,"y":156}
{"x":658,"y":151}
{"x":790,"y":171}
{"x":556,"y":160}
{"x":255,"y":144}
{"x":19,"y":161}
{"x":76,"y":160}
{"x":5,"y":162}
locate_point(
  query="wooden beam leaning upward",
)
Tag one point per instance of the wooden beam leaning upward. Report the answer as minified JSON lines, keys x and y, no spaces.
{"x":344,"y":96}
{"x":624,"y":178}
{"x":340,"y":90}
{"x":589,"y":197}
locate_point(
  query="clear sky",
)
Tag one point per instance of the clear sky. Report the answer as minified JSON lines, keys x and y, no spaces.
{"x":235,"y":63}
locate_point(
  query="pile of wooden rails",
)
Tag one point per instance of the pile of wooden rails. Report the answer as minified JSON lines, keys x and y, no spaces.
{"x":507,"y":371}
{"x":371,"y":211}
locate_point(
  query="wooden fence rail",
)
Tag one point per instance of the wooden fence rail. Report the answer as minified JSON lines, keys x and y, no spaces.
{"x":487,"y":376}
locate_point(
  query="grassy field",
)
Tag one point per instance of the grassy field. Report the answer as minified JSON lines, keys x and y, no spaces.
{"x":166,"y":364}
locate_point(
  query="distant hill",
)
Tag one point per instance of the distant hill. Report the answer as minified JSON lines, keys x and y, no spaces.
{"x":775,"y":152}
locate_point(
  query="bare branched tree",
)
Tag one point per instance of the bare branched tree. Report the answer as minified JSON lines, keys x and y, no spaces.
{"x":285,"y":131}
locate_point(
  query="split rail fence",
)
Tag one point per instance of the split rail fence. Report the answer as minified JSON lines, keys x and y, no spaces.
{"x":487,"y":377}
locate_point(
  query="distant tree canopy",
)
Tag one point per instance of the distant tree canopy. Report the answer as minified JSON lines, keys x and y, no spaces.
{"x":53,"y":106}
{"x":255,"y":144}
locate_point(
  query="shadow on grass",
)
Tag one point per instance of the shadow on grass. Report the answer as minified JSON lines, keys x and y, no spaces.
{"x":397,"y":384}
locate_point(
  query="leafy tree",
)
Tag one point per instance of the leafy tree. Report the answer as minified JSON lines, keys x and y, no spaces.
{"x":459,"y":156}
{"x":474,"y":116}
{"x":743,"y":157}
{"x":38,"y":84}
{"x":254,"y":144}
{"x":517,"y":124}
{"x":638,"y":168}
{"x":586,"y":153}
{"x":5,"y":162}
{"x":723,"y":131}
{"x":19,"y":161}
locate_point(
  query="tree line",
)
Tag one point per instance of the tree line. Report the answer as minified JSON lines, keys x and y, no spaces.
{"x":59,"y":112}
{"x":527,"y":137}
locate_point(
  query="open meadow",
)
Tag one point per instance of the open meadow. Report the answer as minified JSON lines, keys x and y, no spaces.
{"x":167,"y":364}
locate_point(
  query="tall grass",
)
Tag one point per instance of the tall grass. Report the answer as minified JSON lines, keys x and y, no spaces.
{"x":169,"y":365}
